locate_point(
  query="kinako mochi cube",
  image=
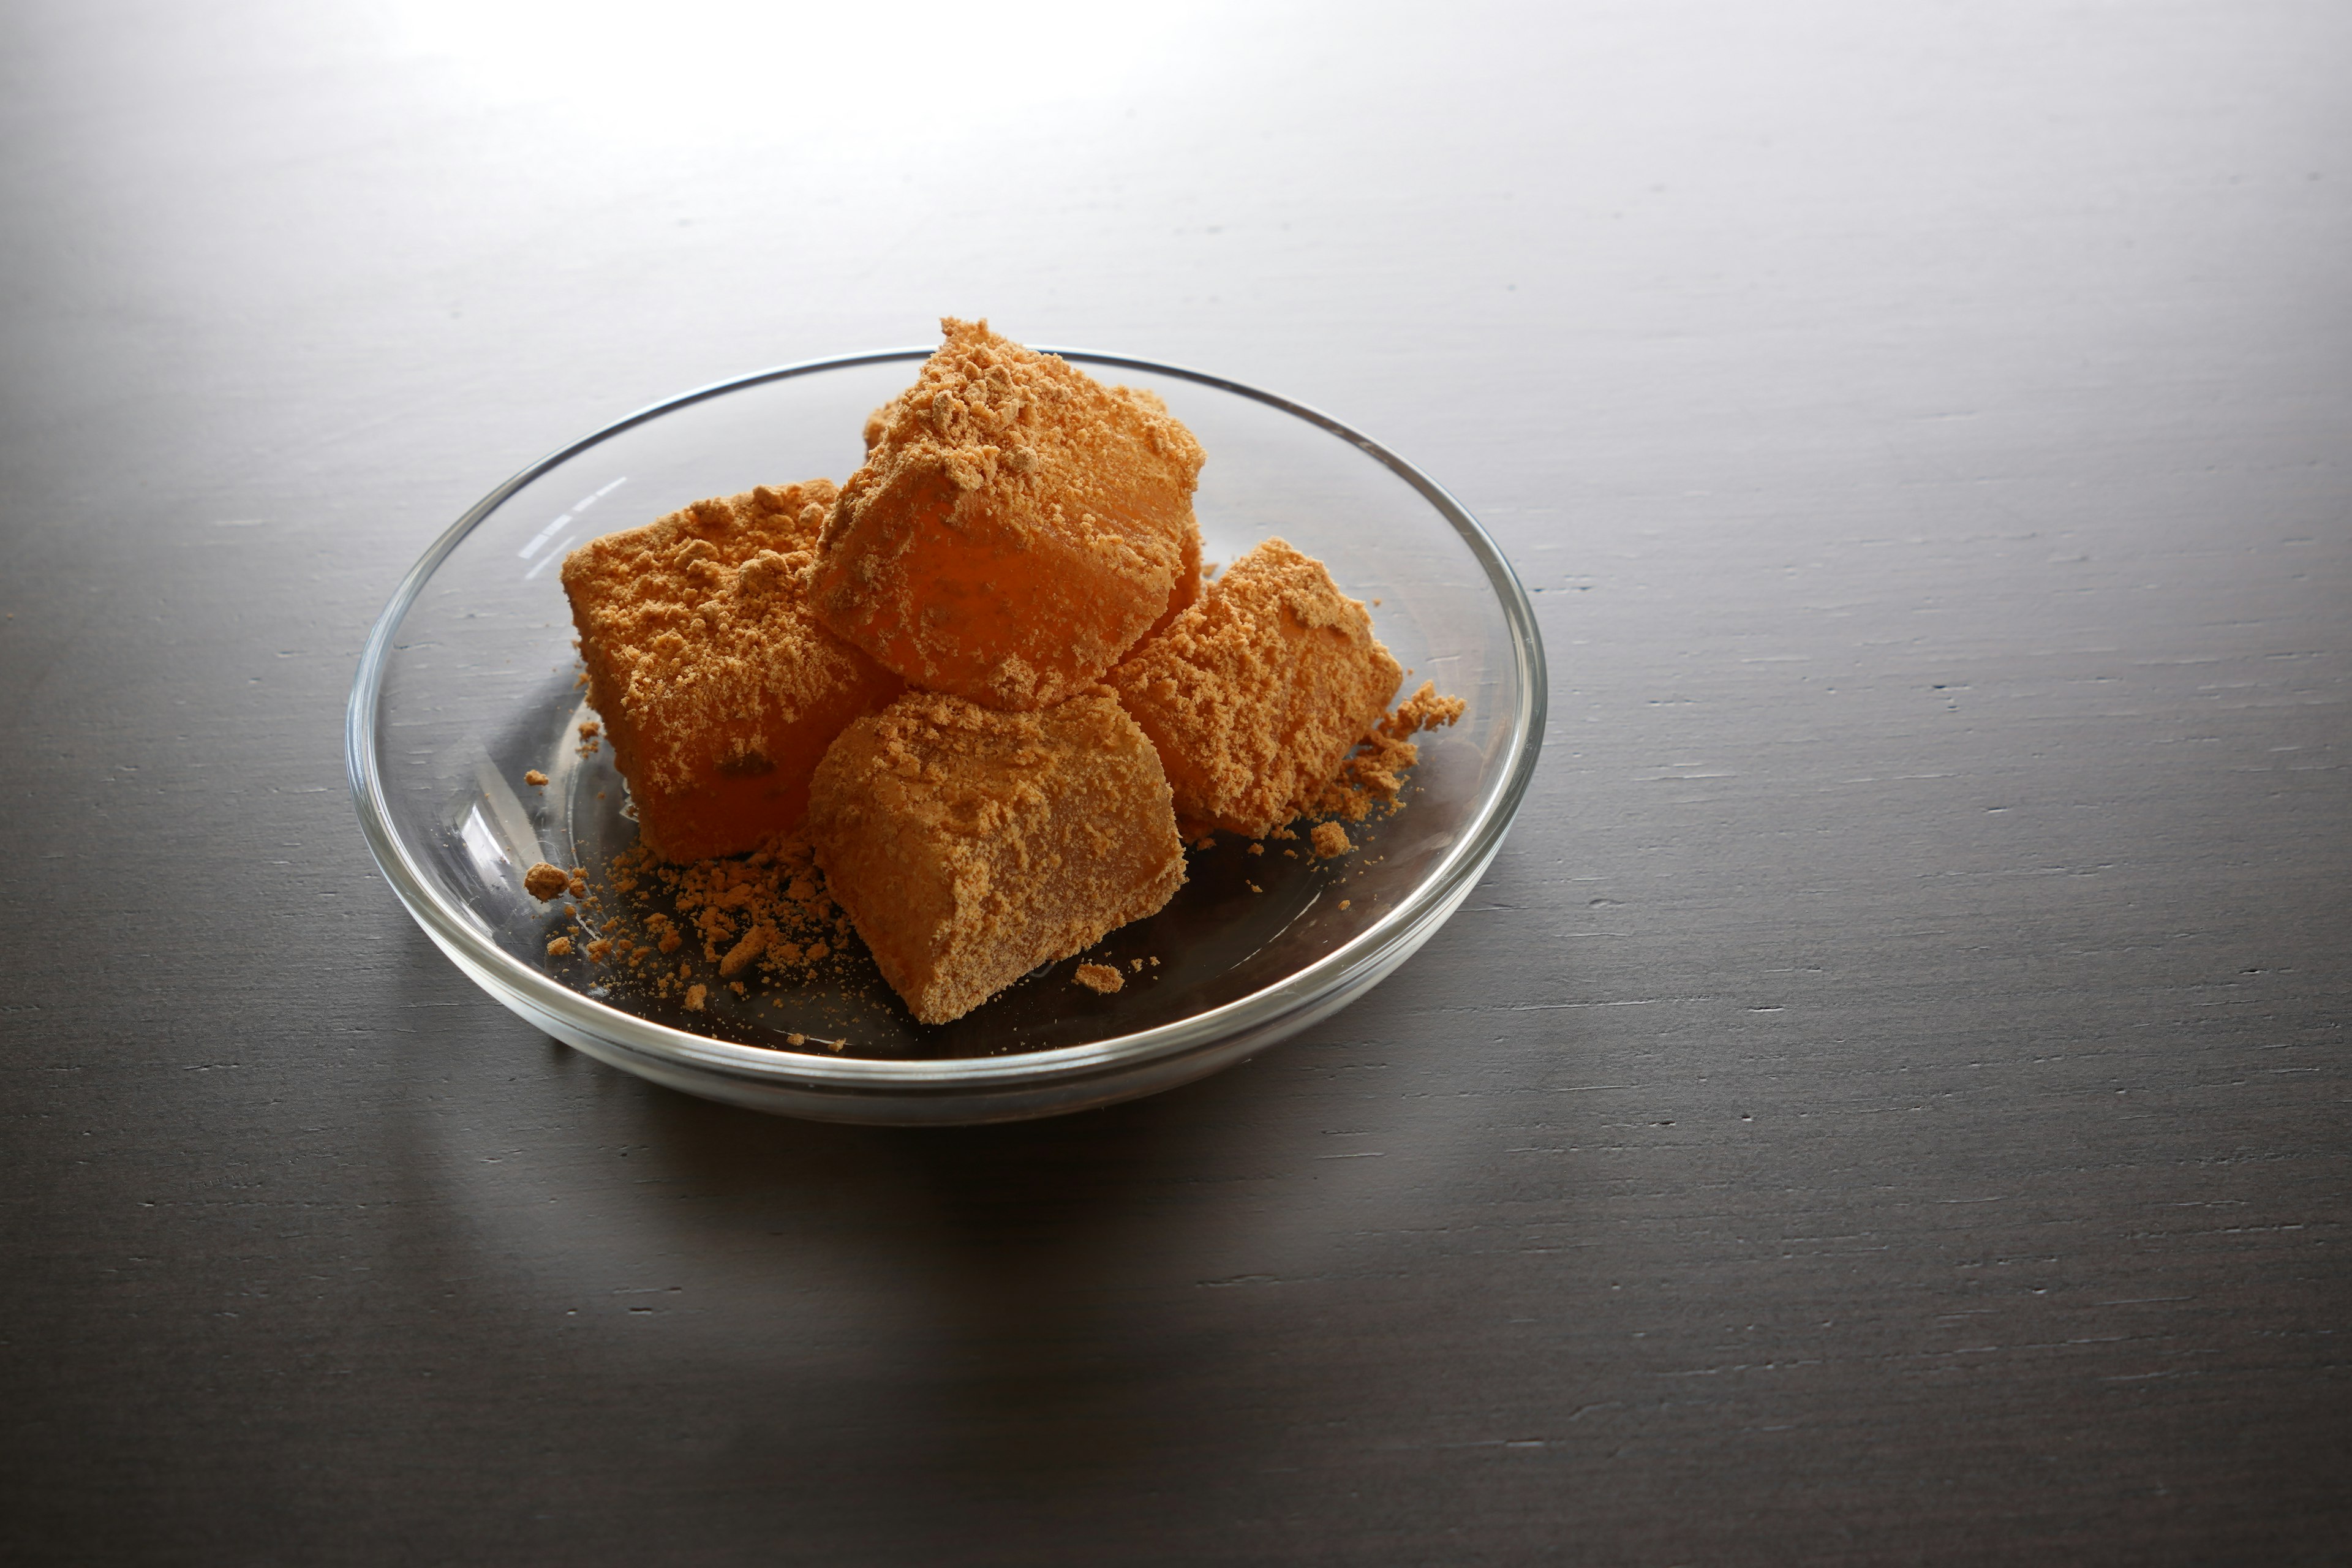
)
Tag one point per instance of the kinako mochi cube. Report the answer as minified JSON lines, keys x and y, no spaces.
{"x":1016,"y":526}
{"x":1255,"y":695}
{"x":719,"y":691}
{"x":970,"y":845}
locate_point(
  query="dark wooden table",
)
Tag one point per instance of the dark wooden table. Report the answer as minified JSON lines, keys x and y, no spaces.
{"x":1887,"y":1103}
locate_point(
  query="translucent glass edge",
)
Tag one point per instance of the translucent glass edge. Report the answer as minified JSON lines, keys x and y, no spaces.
{"x":1464,"y":862}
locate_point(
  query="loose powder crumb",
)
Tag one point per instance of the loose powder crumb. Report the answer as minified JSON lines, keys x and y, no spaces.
{"x":1345,"y":903}
{"x":739,"y":957}
{"x":1329,"y":839}
{"x":560,"y":948}
{"x":1256,"y":848}
{"x":694,"y":997}
{"x":536,"y":779}
{"x":764,"y":918}
{"x":796,"y":1039}
{"x":1373,"y":776}
{"x":1099,"y":978}
{"x":544,"y":881}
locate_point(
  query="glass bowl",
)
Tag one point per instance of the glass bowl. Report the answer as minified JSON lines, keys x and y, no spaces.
{"x":469,"y":680}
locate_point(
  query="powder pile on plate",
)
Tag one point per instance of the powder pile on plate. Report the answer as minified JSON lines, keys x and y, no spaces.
{"x":978,"y":697}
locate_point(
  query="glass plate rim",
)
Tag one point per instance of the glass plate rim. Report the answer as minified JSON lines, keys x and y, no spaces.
{"x":1373,"y":951}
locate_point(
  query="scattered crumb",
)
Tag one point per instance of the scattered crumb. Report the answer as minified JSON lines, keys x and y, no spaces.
{"x":578,"y":886}
{"x":1253,"y":887}
{"x":560,"y":948}
{"x":695,"y":995}
{"x":544,"y":881}
{"x":1155,"y":964}
{"x":739,"y":957}
{"x":1290,"y":854}
{"x":590,"y":728}
{"x":1099,"y":978}
{"x":1345,"y":903}
{"x":1256,"y":848}
{"x":1137,"y":966}
{"x":1373,"y":776}
{"x":744,"y":915}
{"x":599,"y":951}
{"x":536,"y":779}
{"x":796,"y":1039}
{"x":1329,"y":839}
{"x":738,"y":988}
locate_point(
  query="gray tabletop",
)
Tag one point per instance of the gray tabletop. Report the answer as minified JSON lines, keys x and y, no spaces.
{"x":1888,"y":1101}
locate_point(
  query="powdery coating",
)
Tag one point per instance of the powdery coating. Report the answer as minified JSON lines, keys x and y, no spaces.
{"x":719,"y":687}
{"x":970,"y":846}
{"x":1255,"y":695}
{"x":1017,"y":527}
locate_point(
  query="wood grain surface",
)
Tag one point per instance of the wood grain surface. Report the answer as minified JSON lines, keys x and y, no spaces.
{"x":1886,"y":1104}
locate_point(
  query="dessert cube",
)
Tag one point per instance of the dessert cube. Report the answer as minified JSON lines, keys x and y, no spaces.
{"x":1255,"y":695}
{"x":719,"y":691}
{"x":1016,"y":526}
{"x":969,"y":846}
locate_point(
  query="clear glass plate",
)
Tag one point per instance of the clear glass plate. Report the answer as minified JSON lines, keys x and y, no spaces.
{"x":469,"y":680}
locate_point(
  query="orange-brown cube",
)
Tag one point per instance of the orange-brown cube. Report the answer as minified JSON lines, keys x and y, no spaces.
{"x":1256,"y":694}
{"x":970,"y":845}
{"x":719,"y":688}
{"x":1017,"y":527}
